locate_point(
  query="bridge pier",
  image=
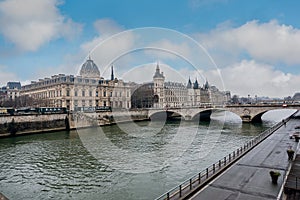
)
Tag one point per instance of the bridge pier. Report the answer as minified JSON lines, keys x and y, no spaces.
{"x":246,"y":118}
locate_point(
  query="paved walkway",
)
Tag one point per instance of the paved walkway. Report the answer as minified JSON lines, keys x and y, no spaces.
{"x":249,"y":178}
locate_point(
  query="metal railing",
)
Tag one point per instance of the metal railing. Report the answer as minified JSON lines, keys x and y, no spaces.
{"x":199,"y":180}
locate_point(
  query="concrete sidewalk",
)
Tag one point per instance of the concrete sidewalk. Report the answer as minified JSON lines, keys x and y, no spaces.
{"x":249,"y":178}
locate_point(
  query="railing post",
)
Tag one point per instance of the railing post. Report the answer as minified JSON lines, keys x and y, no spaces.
{"x":214,"y":168}
{"x":219,"y":164}
{"x":224,"y":160}
{"x":206,"y":172}
{"x":199,"y":176}
{"x":233,"y":154}
{"x":190,"y":184}
{"x":179,"y":190}
{"x":168,"y":196}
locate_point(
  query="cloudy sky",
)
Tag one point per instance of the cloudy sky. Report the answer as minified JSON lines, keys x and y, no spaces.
{"x":247,"y":47}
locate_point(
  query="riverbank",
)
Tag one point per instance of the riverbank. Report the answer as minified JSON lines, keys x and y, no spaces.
{"x":18,"y":125}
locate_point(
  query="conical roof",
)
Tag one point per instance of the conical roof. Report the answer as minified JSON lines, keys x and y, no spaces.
{"x":189,"y":85}
{"x":157,"y":73}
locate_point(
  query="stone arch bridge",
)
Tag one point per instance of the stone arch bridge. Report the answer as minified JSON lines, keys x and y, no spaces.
{"x":248,"y":112}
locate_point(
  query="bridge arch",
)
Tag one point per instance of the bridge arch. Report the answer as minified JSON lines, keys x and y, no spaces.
{"x":205,"y":114}
{"x":257,"y":118}
{"x":164,"y":115}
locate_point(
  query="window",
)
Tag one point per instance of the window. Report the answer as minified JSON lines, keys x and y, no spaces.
{"x":91,"y":93}
{"x":104,"y":93}
{"x":68,"y":93}
{"x":76,"y":93}
{"x":104,"y":103}
{"x":83,"y":93}
{"x":96,"y":93}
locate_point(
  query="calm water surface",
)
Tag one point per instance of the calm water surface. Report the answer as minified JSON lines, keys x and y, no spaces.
{"x":61,"y":165}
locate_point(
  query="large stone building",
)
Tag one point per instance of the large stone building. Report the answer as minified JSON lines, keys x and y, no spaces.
{"x":88,"y":91}
{"x":161,"y":94}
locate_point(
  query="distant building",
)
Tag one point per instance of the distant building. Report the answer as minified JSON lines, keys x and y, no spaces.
{"x":142,"y":95}
{"x":10,"y":92}
{"x":161,"y":94}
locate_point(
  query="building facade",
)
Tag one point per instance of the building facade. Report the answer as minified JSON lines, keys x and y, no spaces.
{"x":174,"y":94}
{"x":85,"y":92}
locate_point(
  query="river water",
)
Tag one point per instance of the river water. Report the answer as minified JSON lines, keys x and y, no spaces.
{"x":127,"y":161}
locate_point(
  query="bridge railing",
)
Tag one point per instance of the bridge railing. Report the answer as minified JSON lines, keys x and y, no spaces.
{"x":194,"y":183}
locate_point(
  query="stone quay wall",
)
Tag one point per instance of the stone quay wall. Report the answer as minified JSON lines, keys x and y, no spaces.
{"x":22,"y":124}
{"x":27,"y":124}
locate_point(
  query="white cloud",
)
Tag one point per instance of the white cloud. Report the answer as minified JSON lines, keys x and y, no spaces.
{"x":250,"y":77}
{"x":268,"y":42}
{"x":106,"y":46}
{"x":107,"y":27}
{"x":170,"y":50}
{"x":30,"y":24}
{"x":145,"y":72}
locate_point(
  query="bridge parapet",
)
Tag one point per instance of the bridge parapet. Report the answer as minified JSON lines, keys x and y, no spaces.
{"x":247,"y":113}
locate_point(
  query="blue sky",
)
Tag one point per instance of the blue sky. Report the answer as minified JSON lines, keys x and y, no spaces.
{"x":255,"y":44}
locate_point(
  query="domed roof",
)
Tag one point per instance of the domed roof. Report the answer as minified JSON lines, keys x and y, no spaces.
{"x":89,"y":69}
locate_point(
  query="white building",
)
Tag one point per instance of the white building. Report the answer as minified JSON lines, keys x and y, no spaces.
{"x":174,"y":94}
{"x":85,"y":92}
